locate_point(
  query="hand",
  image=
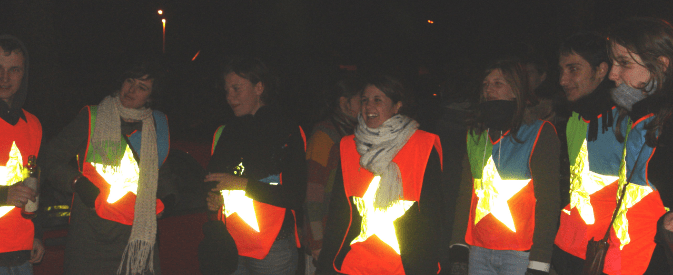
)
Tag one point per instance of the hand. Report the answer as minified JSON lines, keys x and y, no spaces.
{"x":227,"y":181}
{"x":18,"y":195}
{"x":668,"y":221}
{"x":37,"y":252}
{"x":215,"y":201}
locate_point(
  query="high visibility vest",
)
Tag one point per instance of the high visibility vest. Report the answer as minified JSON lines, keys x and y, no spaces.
{"x":502,"y":214}
{"x":594,"y":171}
{"x":118,"y":184}
{"x":375,"y":250}
{"x":632,"y":234}
{"x":17,"y":142}
{"x":253,"y":225}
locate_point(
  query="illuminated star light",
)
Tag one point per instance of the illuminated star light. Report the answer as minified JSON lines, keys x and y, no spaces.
{"x":377,"y":221}
{"x":584,"y":183}
{"x":123,"y":178}
{"x":493,"y":193}
{"x":235,"y":201}
{"x":11,"y":173}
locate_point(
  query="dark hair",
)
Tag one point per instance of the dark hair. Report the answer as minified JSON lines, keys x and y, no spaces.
{"x":347,"y":87}
{"x":255,"y":71}
{"x":517,"y":78}
{"x":9,"y":46}
{"x":649,"y":38}
{"x":588,"y":45}
{"x":153,"y":70}
{"x":392,"y":88}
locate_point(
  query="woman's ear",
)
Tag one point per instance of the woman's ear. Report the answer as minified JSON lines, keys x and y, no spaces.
{"x":259,"y":88}
{"x":664,"y":61}
{"x":397,"y":106}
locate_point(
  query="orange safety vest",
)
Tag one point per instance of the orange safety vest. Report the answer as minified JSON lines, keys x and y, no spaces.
{"x":253,"y":225}
{"x":593,"y":185}
{"x":121,"y":209}
{"x":376,"y":250}
{"x":502,"y":213}
{"x":17,"y":142}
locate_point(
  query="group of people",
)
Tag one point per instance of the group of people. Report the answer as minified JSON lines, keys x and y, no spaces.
{"x":367,"y":182}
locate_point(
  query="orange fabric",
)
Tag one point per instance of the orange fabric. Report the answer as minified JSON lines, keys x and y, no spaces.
{"x":373,"y":256}
{"x":492,"y":234}
{"x":122,"y":211}
{"x":17,"y":233}
{"x":574,"y":234}
{"x":251,"y":243}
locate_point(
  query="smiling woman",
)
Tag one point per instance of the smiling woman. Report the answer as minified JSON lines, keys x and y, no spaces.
{"x":120,"y":147}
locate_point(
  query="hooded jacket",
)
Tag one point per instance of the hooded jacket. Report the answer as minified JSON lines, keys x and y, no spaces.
{"x":25,"y":132}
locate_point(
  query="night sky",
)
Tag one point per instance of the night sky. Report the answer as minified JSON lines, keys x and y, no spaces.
{"x":77,"y":47}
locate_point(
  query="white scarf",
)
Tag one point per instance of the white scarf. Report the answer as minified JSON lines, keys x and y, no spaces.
{"x":377,"y":148}
{"x":140,"y":247}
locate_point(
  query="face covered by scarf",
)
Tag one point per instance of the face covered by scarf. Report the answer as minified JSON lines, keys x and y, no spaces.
{"x":498,"y":114}
{"x":625,"y":96}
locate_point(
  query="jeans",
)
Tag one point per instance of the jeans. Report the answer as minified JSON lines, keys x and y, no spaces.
{"x":485,"y":261}
{"x":24,"y":269}
{"x":282,"y":259}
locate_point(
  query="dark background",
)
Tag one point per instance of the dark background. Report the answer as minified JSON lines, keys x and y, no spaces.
{"x":78,"y":47}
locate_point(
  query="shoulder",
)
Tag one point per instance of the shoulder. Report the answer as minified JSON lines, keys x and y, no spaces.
{"x":32,"y":119}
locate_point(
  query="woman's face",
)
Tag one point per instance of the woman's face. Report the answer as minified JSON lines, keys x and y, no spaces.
{"x":243,"y":97}
{"x":627,"y":68}
{"x":495,"y":87}
{"x":135,"y":92}
{"x":350,"y":105}
{"x":376,"y":107}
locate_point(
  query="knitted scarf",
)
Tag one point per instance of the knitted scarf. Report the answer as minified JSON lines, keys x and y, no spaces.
{"x":139,"y":250}
{"x":377,"y":148}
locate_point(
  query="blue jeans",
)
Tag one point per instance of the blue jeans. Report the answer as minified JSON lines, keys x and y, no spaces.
{"x":282,"y":259}
{"x":484,"y":261}
{"x":24,"y":269}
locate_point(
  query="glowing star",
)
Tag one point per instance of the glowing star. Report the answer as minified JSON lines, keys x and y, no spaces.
{"x":123,"y":178}
{"x":11,"y":173}
{"x":634,"y":193}
{"x":583,"y":183}
{"x":235,"y":201}
{"x":377,"y":221}
{"x":493,"y":193}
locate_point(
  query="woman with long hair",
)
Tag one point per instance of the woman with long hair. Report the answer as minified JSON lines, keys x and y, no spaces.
{"x":641,"y":50}
{"x":512,"y":180}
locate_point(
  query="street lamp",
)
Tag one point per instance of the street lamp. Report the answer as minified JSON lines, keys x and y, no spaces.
{"x":163,"y":40}
{"x":160,"y":12}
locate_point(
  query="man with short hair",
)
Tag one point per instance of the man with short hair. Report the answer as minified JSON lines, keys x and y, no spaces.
{"x":20,"y":138}
{"x":594,"y":152}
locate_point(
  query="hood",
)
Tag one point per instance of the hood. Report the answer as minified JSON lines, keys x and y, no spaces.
{"x":13,"y":113}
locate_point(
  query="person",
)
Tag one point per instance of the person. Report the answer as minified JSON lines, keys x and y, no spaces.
{"x":511,"y":187}
{"x":20,"y":245}
{"x":120,"y":147}
{"x":258,"y":165}
{"x":594,"y":152}
{"x":641,"y":50}
{"x":322,"y":157}
{"x":385,"y":211}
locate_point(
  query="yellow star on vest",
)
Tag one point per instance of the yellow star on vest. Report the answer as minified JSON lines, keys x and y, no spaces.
{"x":11,"y":173}
{"x":377,"y":221}
{"x":493,"y":193}
{"x":583,"y":183}
{"x":634,"y":193}
{"x":235,"y":201}
{"x":122,"y":178}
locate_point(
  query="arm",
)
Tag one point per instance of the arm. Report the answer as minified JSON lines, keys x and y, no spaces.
{"x":459,"y":250}
{"x":544,"y":165}
{"x":292,"y":192}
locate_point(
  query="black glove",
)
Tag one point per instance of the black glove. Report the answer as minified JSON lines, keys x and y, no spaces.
{"x":536,"y":272}
{"x":458,"y":261}
{"x":87,"y":191}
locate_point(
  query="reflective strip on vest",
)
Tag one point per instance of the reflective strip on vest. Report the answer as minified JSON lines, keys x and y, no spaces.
{"x":583,"y":183}
{"x":123,"y":178}
{"x":377,"y":221}
{"x":634,"y":193}
{"x":235,"y":201}
{"x":12,"y":172}
{"x":493,"y":193}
